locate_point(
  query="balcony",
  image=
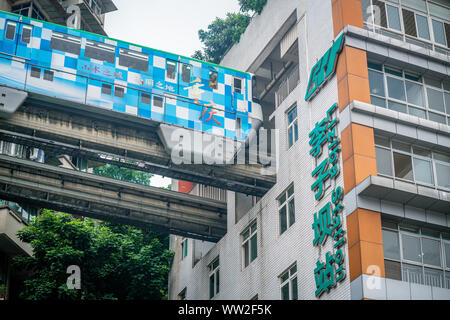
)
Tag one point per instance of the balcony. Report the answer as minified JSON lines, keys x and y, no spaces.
{"x":287,"y":86}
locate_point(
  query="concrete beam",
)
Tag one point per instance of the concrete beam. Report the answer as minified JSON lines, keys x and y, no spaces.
{"x":103,"y":198}
{"x":43,"y":123}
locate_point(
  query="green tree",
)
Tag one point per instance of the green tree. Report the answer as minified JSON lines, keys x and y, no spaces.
{"x":116,"y":262}
{"x":221,"y":35}
{"x":124,"y":174}
{"x":252,"y":5}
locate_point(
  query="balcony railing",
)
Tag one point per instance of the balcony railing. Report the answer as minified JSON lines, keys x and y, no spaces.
{"x":287,"y":86}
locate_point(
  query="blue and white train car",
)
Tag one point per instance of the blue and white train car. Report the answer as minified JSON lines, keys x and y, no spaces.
{"x":69,"y":64}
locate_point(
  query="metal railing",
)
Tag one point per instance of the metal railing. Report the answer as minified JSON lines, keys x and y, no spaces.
{"x":287,"y":86}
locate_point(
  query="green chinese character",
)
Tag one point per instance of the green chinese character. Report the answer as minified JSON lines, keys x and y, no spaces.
{"x":324,"y":275}
{"x":322,"y":226}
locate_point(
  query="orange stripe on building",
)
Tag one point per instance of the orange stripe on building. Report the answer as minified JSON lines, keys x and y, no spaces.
{"x":365,"y":241}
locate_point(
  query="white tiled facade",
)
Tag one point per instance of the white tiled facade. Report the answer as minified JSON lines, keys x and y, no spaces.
{"x":313,"y":21}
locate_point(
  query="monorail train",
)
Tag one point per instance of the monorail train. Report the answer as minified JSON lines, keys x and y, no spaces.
{"x":49,"y":59}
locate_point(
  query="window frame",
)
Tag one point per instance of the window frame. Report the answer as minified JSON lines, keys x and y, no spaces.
{"x":184,"y":248}
{"x":444,"y":269}
{"x":413,"y":155}
{"x":246,"y":261}
{"x":288,"y":281}
{"x":424,"y":89}
{"x":214,"y":271}
{"x":294,"y":125}
{"x":429,"y":44}
{"x":285,"y":203}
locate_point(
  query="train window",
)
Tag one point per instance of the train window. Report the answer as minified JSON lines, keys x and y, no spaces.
{"x":146,"y":98}
{"x":100,"y":51}
{"x":186,"y":73}
{"x":10,"y":30}
{"x":119,"y":92}
{"x":133,"y":59}
{"x":65,"y":43}
{"x":213,"y":77}
{"x":48,"y":75}
{"x":106,"y":89}
{"x":171,"y":69}
{"x":237,"y":85}
{"x":157,"y":102}
{"x":26,"y":34}
{"x":35,"y":72}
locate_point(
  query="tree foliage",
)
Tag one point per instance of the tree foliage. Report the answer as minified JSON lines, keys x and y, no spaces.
{"x":220,"y":35}
{"x":116,"y":262}
{"x":223,"y":33}
{"x":252,"y":5}
{"x":124,"y":174}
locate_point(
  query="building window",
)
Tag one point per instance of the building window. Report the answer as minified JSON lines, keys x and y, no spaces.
{"x":416,"y":255}
{"x":250,"y":244}
{"x":286,"y":209}
{"x":419,"y":22}
{"x":214,"y":278}
{"x":410,"y":93}
{"x":292,"y":126}
{"x":28,"y":9}
{"x":182,"y":294}
{"x":404,"y":161}
{"x":288,"y":284}
{"x":184,"y":248}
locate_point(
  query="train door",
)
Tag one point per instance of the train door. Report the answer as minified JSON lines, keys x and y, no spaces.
{"x":24,"y":41}
{"x":9,"y":43}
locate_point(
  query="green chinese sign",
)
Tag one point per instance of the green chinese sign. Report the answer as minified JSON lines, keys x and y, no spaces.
{"x":327,"y":221}
{"x":324,"y":68}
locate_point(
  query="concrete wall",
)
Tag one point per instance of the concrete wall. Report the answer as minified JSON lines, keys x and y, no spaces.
{"x":275,"y":253}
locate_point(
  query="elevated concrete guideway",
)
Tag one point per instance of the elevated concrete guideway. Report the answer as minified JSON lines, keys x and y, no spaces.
{"x":107,"y":199}
{"x":106,"y":136}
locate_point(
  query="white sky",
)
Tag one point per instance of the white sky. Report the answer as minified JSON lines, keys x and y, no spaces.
{"x":168,"y":25}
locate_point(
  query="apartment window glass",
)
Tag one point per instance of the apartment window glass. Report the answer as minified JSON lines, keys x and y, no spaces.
{"x":414,"y":93}
{"x":408,"y":92}
{"x":403,"y":166}
{"x":288,"y":284}
{"x":395,"y":88}
{"x":292,"y":126}
{"x":419,"y":258}
{"x":435,"y":99}
{"x":250,"y":244}
{"x":214,"y":278}
{"x":184,"y":248}
{"x":423,"y":30}
{"x":391,"y":245}
{"x":412,"y":163}
{"x":393,"y":17}
{"x":286,"y":209}
{"x":439,"y":32}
